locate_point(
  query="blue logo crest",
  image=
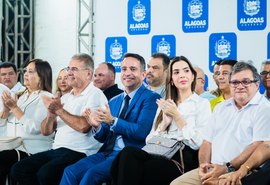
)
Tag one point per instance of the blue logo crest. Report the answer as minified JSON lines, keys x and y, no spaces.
{"x":116,"y":47}
{"x":251,"y":14}
{"x":139,"y":13}
{"x":195,"y":15}
{"x":164,"y":44}
{"x":221,"y":46}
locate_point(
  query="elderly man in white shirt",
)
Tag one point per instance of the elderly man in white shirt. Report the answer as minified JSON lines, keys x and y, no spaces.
{"x":73,"y":139}
{"x":236,"y":128}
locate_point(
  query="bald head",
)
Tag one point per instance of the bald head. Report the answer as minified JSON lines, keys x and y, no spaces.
{"x":200,"y":80}
{"x":104,"y":76}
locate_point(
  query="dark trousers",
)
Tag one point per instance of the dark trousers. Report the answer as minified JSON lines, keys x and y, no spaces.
{"x":261,"y":177}
{"x":134,"y":166}
{"x":7,"y":159}
{"x":45,"y":168}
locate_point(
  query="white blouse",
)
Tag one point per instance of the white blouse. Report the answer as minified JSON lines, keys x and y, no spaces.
{"x":196,"y":112}
{"x":29,"y":126}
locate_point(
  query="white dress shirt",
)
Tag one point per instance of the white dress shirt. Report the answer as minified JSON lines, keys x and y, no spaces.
{"x":28,"y":127}
{"x":196,"y":112}
{"x":231,"y":130}
{"x":18,"y":88}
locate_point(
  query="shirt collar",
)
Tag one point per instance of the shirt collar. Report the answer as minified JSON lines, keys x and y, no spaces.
{"x":132,"y":94}
{"x":254,"y":101}
{"x":194,"y":97}
{"x":85,"y":91}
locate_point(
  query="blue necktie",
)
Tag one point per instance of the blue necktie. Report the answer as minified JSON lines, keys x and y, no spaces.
{"x":112,"y":135}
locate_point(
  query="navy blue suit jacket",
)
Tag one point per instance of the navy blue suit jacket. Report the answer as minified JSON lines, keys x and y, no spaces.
{"x":138,"y":121}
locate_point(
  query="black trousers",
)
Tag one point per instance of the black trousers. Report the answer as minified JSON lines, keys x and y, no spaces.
{"x":44,"y":168}
{"x":134,"y":166}
{"x":7,"y":159}
{"x":261,"y":177}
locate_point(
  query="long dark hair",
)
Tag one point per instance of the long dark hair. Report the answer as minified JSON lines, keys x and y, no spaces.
{"x":171,"y":90}
{"x":44,"y":72}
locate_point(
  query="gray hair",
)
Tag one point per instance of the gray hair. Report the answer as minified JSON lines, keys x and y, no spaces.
{"x":87,"y":59}
{"x":241,"y":66}
{"x":266,"y":62}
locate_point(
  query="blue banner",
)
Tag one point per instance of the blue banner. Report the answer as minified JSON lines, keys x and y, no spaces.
{"x":261,"y":88}
{"x":206,"y":82}
{"x":251,"y":14}
{"x":139,"y":17}
{"x":164,"y":44}
{"x":222,"y":46}
{"x":268,"y":46}
{"x":195,"y":15}
{"x":116,"y":47}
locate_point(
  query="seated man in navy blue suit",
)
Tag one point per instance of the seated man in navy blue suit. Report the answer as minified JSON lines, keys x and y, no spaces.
{"x":126,"y":121}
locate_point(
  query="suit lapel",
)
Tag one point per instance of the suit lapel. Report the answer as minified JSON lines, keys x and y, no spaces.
{"x":117,"y":108}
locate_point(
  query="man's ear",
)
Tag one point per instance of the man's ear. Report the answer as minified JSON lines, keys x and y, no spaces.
{"x":90,"y":75}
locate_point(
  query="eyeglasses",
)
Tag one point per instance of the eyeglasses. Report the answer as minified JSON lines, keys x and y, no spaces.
{"x":199,"y":78}
{"x":75,"y":69}
{"x":244,"y":83}
{"x":265,"y":73}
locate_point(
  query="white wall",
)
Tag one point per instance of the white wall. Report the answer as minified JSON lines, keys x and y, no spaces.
{"x":1,"y":19}
{"x":55,"y":31}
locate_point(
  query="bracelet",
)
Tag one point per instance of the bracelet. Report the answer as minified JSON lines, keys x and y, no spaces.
{"x":248,"y":168}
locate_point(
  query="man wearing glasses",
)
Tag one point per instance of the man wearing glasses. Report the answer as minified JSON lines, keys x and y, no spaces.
{"x":236,"y":128}
{"x":73,"y":138}
{"x":265,"y":76}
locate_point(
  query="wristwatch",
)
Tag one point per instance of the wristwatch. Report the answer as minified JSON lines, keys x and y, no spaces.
{"x":112,"y":122}
{"x":230,"y":167}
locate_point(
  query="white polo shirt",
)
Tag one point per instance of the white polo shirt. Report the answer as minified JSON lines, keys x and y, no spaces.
{"x":66,"y":136}
{"x":231,"y":130}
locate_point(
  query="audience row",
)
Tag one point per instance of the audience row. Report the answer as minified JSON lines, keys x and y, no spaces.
{"x":92,"y":132}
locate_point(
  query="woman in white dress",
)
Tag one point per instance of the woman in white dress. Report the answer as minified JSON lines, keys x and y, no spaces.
{"x":23,"y":118}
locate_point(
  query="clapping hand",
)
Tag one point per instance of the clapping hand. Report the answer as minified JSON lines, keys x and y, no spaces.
{"x":168,"y":107}
{"x":211,"y":172}
{"x":91,"y":117}
{"x":8,"y":102}
{"x":104,"y":114}
{"x":233,"y":178}
{"x":53,"y":104}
